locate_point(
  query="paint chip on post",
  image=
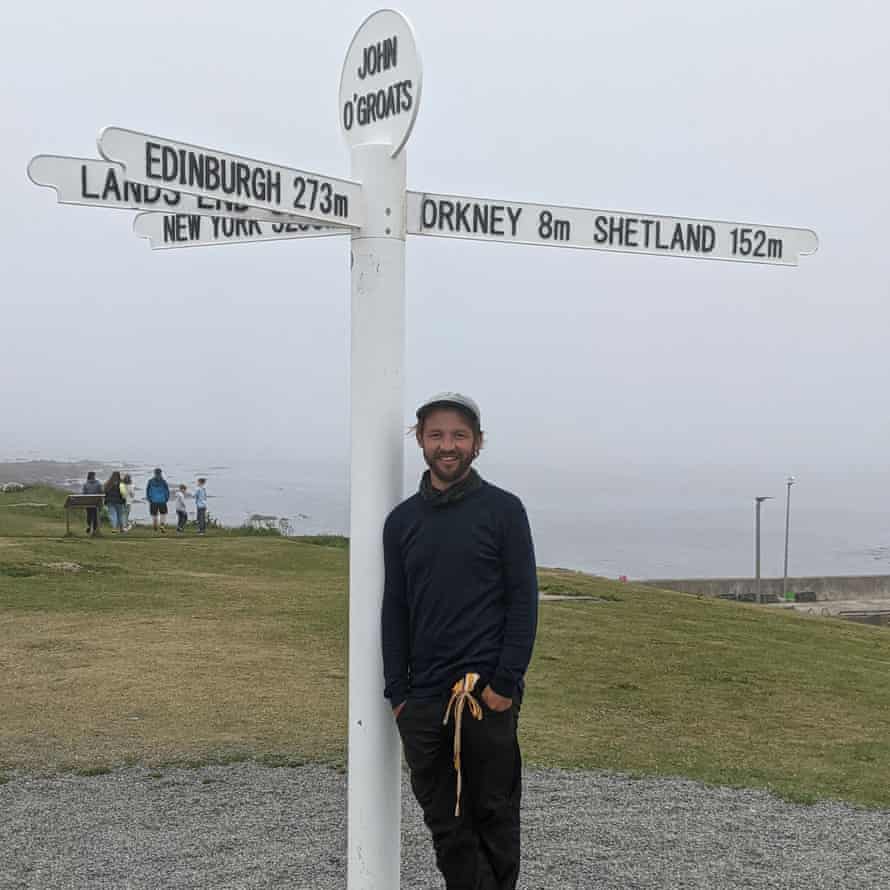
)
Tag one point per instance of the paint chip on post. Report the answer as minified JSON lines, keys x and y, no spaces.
{"x":366,"y":270}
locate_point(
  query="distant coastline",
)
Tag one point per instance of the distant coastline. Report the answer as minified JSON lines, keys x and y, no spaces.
{"x":65,"y":474}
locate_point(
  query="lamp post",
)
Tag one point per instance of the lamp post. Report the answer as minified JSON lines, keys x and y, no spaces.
{"x":757,"y":502}
{"x":788,"y":482}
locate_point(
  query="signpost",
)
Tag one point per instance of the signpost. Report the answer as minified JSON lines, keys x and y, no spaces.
{"x":214,"y":197}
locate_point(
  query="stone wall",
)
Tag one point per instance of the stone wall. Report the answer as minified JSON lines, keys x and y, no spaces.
{"x":850,"y":587}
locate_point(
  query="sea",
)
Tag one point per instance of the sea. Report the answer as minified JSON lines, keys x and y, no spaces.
{"x":639,"y":521}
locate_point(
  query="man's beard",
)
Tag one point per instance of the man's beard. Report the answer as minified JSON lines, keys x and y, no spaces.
{"x":449,"y":472}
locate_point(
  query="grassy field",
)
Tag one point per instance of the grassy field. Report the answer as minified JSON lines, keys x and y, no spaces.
{"x":157,"y":650}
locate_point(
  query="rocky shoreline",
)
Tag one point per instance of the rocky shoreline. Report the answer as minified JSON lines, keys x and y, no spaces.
{"x":65,"y":474}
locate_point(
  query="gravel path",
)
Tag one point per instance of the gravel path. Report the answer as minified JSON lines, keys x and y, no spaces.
{"x":247,"y":826}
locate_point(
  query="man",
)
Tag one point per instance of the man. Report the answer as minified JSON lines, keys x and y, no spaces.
{"x":458,"y":620}
{"x":157,"y":493}
{"x":92,"y":486}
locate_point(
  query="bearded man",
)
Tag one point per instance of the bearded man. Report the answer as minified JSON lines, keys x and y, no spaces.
{"x":458,"y":626}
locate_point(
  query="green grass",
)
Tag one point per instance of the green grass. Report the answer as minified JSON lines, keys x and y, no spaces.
{"x":19,"y":518}
{"x":186,"y":650}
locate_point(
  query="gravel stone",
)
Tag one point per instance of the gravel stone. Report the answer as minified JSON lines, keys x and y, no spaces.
{"x":248,"y":826}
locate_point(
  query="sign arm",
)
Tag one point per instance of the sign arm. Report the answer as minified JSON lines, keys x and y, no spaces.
{"x":218,"y":175}
{"x":167,"y":230}
{"x":41,"y":172}
{"x":91,"y":182}
{"x":552,"y":225}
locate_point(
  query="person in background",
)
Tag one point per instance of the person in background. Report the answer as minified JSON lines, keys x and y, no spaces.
{"x":182,"y":515}
{"x":128,"y":490}
{"x":92,"y":486}
{"x":114,"y":502}
{"x":201,"y":505}
{"x":157,"y":493}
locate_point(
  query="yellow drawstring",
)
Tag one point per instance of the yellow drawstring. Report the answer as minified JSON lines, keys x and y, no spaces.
{"x":461,"y":694}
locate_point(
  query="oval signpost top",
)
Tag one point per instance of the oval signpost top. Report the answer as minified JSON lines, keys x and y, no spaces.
{"x":380,"y":82}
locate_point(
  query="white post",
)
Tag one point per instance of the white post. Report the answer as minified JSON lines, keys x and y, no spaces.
{"x":789,"y":482}
{"x":376,"y":474}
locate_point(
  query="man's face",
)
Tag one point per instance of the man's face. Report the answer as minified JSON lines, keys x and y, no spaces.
{"x":449,"y":446}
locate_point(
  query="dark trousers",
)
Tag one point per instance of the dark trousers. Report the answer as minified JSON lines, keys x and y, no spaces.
{"x":181,"y":519}
{"x":92,"y":519}
{"x":478,"y":850}
{"x":202,"y":518}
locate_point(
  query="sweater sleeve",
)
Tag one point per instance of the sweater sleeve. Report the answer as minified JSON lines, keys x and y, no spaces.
{"x":521,"y":591}
{"x":394,"y":619}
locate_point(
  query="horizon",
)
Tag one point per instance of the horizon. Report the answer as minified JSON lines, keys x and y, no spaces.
{"x":617,"y":520}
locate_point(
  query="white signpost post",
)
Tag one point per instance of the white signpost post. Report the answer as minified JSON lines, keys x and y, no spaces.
{"x":210,"y":197}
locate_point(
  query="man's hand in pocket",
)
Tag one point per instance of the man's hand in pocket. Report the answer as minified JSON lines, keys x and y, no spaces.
{"x":494,"y":701}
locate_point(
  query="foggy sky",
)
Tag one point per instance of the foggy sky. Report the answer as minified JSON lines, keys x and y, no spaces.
{"x":766,"y":112}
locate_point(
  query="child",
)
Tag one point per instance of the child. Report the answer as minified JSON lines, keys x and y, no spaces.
{"x":201,"y":505}
{"x":181,"y":511}
{"x":128,"y":492}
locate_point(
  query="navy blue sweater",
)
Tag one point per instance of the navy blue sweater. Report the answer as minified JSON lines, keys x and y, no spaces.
{"x":460,"y":594}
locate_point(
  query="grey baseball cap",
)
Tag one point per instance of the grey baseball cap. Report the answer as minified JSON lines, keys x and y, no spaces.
{"x":443,"y":399}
